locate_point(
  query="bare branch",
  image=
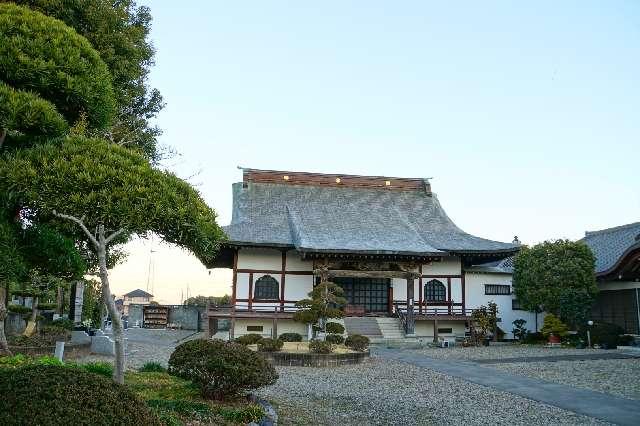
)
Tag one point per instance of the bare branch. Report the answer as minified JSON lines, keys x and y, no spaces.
{"x":114,"y":235}
{"x":80,"y":222}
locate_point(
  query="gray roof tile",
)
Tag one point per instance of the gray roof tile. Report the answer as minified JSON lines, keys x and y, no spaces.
{"x":346,"y":219}
{"x":609,"y":245}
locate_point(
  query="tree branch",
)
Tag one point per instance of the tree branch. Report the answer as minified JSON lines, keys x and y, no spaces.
{"x":80,"y":223}
{"x":3,"y":135}
{"x":114,"y":235}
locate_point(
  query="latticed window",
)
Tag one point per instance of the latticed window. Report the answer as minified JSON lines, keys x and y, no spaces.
{"x":434,"y":291}
{"x":497,"y":289}
{"x":266,"y":288}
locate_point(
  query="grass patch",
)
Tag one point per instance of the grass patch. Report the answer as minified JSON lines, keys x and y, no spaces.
{"x":177,"y":401}
{"x":152,"y":367}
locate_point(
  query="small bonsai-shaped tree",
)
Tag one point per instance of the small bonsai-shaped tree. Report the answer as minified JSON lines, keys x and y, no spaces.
{"x":484,"y":321}
{"x":552,"y":326}
{"x":519,"y":330}
{"x":326,"y":301}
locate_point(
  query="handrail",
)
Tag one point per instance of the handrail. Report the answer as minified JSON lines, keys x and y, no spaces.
{"x":401,"y":316}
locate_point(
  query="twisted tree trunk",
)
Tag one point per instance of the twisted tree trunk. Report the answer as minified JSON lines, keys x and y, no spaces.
{"x":32,"y":323}
{"x":4,"y":345}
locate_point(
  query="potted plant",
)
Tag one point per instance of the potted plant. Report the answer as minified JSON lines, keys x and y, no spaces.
{"x":553,"y":328}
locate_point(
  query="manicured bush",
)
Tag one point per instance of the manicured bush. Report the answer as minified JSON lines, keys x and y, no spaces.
{"x":290,"y":337}
{"x":50,"y":395}
{"x":221,"y":369}
{"x":606,"y":334}
{"x":249,"y":339}
{"x":335,"y":328}
{"x":65,"y":323}
{"x":53,"y":333}
{"x":100,"y":367}
{"x":19,"y":309}
{"x":320,"y":347}
{"x":47,"y":306}
{"x":357,"y":342}
{"x":152,"y":367}
{"x":336,"y":339}
{"x":553,"y":326}
{"x":270,"y":345}
{"x":534,"y":338}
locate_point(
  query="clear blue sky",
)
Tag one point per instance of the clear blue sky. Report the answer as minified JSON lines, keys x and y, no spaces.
{"x":525,"y":114}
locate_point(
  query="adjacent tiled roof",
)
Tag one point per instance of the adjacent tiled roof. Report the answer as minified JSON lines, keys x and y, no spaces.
{"x":138,"y":293}
{"x":610,"y":245}
{"x":321,"y":218}
{"x":503,"y":266}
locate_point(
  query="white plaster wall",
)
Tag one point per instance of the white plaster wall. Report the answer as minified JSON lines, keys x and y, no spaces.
{"x":297,"y":287}
{"x":294,"y":263}
{"x":259,"y":258}
{"x":618,"y":285}
{"x":474,"y":283}
{"x":284,"y":326}
{"x":448,"y":266}
{"x":425,"y":328}
{"x":242,"y":285}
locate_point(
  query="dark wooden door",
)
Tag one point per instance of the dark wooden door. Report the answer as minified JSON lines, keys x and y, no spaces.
{"x":370,"y":293}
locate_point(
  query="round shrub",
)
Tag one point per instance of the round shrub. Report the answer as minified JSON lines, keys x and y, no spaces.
{"x":357,"y":342}
{"x":270,"y":345}
{"x":336,"y":339}
{"x":335,"y":328}
{"x":320,"y":347}
{"x":290,"y":337}
{"x":249,"y":339}
{"x":606,"y":335}
{"x":221,"y":369}
{"x":51,"y":395}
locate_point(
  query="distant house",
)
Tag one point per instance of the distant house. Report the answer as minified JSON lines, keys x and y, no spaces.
{"x":617,"y":252}
{"x":135,"y":297}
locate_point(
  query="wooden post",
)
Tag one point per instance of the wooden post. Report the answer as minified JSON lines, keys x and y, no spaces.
{"x":411,"y":322}
{"x":274,"y":328}
{"x":462,"y":285}
{"x":282,"y":279}
{"x":390,"y":296}
{"x":235,"y":278}
{"x":250,"y":299}
{"x":435,"y":329}
{"x":449,"y":293}
{"x":420,"y":289}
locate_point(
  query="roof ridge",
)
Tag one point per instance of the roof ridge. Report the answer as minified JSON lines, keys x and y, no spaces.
{"x":612,"y":229}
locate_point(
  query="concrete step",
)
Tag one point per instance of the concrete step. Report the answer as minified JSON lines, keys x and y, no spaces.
{"x":391,"y":328}
{"x":367,"y":326}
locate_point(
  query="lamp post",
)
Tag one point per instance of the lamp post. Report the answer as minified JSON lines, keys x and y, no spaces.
{"x":589,"y":323}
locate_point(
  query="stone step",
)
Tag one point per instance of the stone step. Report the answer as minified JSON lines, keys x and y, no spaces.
{"x":367,"y":326}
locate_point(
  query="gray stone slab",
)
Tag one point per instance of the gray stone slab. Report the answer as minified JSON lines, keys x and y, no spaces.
{"x":80,"y":337}
{"x":609,"y":408}
{"x":556,"y":358}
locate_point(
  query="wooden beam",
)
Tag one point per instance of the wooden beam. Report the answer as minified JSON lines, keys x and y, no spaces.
{"x":332,"y":273}
{"x":420,"y":288}
{"x":273,"y":272}
{"x":462,"y":285}
{"x":449,"y":293}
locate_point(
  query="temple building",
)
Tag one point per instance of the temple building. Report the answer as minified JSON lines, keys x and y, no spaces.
{"x":617,"y":252}
{"x":405,"y":267}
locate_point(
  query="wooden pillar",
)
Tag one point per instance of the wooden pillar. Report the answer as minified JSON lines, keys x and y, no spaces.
{"x":462,"y":285}
{"x":235,"y":278}
{"x":411,"y":321}
{"x":435,"y":330}
{"x":282,"y":279}
{"x":449,"y":293}
{"x":250,"y":298}
{"x":274,"y":328}
{"x":420,"y":288}
{"x":390,"y":296}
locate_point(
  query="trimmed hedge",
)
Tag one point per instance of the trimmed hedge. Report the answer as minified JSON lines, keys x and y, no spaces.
{"x":357,"y":342}
{"x":270,"y":345}
{"x":335,"y":328}
{"x":18,"y":309}
{"x":221,"y":369}
{"x":51,"y":395}
{"x":336,"y":339}
{"x":320,"y":347}
{"x":290,"y":337}
{"x":249,"y":339}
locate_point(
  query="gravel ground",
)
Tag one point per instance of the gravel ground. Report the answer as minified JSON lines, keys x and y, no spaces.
{"x":500,"y":351}
{"x":147,"y":345}
{"x":620,"y":377}
{"x":383,"y":392}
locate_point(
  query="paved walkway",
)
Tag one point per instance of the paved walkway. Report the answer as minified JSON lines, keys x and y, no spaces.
{"x":556,"y":358}
{"x":594,"y":404}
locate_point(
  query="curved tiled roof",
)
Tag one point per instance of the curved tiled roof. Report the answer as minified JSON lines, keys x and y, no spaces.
{"x":503,"y":266}
{"x":348,"y":219}
{"x":610,"y":245}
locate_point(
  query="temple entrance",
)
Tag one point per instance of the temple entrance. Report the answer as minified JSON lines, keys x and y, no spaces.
{"x":372,"y":294}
